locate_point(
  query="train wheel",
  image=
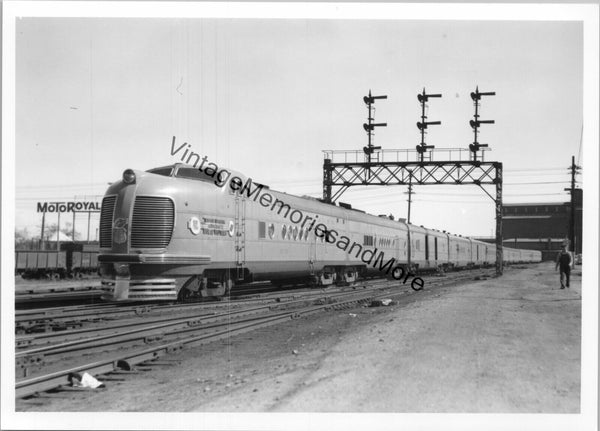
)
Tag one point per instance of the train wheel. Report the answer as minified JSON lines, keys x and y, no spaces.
{"x":55,"y":276}
{"x":184,"y":295}
{"x":189,"y":289}
{"x":397,"y":273}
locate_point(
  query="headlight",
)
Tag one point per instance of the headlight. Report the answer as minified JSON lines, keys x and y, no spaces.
{"x":129,"y":176}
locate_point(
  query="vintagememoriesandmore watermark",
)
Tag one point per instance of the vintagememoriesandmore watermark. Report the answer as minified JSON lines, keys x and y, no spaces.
{"x":223,"y":177}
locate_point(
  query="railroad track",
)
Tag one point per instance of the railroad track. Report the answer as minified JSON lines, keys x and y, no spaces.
{"x":84,"y":293}
{"x":71,"y":317}
{"x":45,"y":361}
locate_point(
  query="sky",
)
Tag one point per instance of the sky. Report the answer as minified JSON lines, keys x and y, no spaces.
{"x":95,"y":96}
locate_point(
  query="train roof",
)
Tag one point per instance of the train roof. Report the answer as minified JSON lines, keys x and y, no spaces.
{"x":325,"y":208}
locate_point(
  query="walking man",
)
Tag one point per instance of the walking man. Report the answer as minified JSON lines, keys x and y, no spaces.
{"x":565,"y":260}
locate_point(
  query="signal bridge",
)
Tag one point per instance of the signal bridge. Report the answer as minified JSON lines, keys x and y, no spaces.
{"x":343,"y":169}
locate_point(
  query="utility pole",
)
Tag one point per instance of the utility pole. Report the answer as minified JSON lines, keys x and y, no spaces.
{"x":42,"y":243}
{"x":574,"y":169}
{"x":89,"y":217}
{"x":58,"y":234}
{"x":409,"y":194}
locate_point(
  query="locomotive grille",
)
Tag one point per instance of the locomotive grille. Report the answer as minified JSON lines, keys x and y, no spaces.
{"x":106,"y":219}
{"x":152,"y":222}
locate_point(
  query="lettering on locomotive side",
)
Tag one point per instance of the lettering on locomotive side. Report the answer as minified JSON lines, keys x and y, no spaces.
{"x":214,"y":226}
{"x":64,"y":207}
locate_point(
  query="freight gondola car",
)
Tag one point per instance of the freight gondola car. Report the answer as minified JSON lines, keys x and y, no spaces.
{"x":73,"y":260}
{"x":177,"y":231}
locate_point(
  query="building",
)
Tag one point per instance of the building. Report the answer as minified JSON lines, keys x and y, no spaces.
{"x":542,"y":226}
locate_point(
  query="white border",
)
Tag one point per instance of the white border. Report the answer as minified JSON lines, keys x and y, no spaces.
{"x":587,"y":13}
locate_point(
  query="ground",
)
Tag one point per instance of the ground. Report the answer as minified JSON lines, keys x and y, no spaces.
{"x":506,"y":345}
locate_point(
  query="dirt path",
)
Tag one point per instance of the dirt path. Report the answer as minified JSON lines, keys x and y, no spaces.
{"x":500,"y":345}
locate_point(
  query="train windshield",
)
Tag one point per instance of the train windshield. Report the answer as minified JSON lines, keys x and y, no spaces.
{"x":192,"y":174}
{"x":162,"y":171}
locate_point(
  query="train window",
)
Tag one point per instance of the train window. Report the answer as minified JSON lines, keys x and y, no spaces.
{"x":295,"y":233}
{"x":165,"y":172}
{"x":271,"y":230}
{"x":368,"y":240}
{"x":289,"y":232}
{"x":262,"y":234}
{"x":283,"y":231}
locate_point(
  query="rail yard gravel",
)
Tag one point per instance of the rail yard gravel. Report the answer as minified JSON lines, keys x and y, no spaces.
{"x":507,"y":345}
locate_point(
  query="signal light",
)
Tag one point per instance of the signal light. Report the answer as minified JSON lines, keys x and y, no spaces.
{"x":371,"y":149}
{"x":371,"y":99}
{"x":475,"y":146}
{"x":422,"y":148}
{"x":476,"y":123}
{"x":425,"y":97}
{"x":477,"y":95}
{"x":370,"y":127}
{"x":423,"y":125}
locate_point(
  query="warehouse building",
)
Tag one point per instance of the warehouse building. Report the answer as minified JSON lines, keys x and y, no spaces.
{"x":541,"y":226}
